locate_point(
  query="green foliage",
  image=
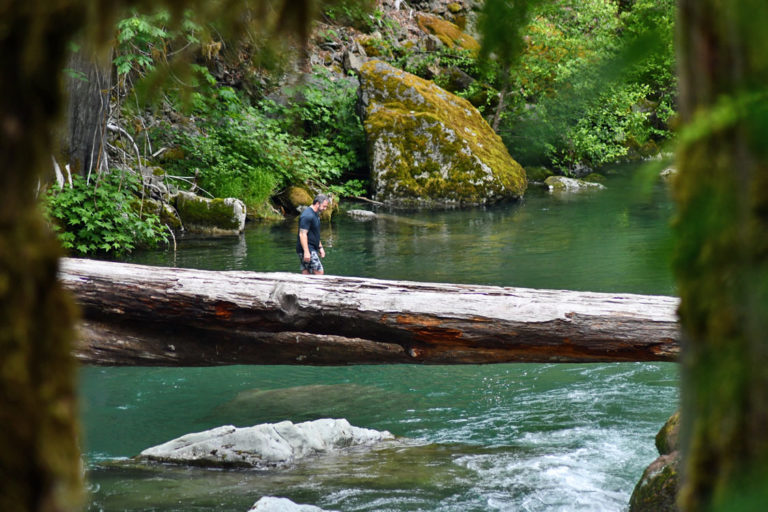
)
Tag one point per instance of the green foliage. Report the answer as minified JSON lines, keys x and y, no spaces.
{"x":351,"y":188}
{"x":250,"y":152}
{"x":321,"y":114}
{"x":595,"y":85}
{"x":354,"y":13}
{"x":101,"y":217}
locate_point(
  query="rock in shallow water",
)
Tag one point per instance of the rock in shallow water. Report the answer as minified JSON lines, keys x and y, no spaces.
{"x":265,"y":445}
{"x":272,"y":504}
{"x":563,"y":184}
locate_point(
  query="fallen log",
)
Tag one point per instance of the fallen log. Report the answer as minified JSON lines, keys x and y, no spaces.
{"x":143,"y":315}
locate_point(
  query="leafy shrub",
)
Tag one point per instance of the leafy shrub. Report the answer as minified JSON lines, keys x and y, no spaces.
{"x":101,"y":217}
{"x":355,"y":13}
{"x":593,"y":85}
{"x":250,"y":152}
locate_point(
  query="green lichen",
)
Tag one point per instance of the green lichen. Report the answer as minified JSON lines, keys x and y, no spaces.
{"x":432,"y":146}
{"x":449,"y":34}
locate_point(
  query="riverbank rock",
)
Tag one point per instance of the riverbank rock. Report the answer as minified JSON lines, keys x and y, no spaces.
{"x":657,"y":489}
{"x":571,"y":185}
{"x":210,"y":216}
{"x":273,"y":504}
{"x":428,"y":147}
{"x":361,"y":214}
{"x":265,"y":445}
{"x":166,"y":213}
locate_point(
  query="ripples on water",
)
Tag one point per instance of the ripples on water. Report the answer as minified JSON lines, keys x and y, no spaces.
{"x":499,"y":437}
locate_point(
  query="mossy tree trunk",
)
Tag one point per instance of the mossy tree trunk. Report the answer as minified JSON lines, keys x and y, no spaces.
{"x":722,"y":254}
{"x":39,"y":457}
{"x":40,"y":467}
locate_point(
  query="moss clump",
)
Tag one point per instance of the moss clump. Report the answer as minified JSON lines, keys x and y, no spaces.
{"x":298,"y":196}
{"x":264,"y":211}
{"x":448,"y":33}
{"x":538,"y":174}
{"x":455,"y":7}
{"x":209,"y":215}
{"x":430,"y":146}
{"x":666,"y":439}
{"x":594,"y":177}
{"x":375,"y":46}
{"x":657,"y":489}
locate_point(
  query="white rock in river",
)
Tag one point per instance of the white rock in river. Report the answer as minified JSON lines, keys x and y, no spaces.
{"x":563,"y":184}
{"x":272,"y":504}
{"x":268,"y":444}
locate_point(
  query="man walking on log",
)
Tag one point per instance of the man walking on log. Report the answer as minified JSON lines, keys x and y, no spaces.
{"x":308,"y":245}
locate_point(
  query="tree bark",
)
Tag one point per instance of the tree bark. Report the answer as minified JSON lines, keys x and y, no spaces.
{"x":165,"y":316}
{"x":89,"y":80}
{"x":40,"y":466}
{"x":722,"y":256}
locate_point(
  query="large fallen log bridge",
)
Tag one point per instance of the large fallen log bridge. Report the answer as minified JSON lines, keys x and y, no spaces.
{"x":143,"y":315}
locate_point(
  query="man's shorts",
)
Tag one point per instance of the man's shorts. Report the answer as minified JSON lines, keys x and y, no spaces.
{"x":313,"y":265}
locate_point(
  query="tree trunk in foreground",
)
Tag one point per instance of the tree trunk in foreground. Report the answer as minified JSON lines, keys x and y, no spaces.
{"x":40,"y":468}
{"x":140,"y":315}
{"x":722,"y":254}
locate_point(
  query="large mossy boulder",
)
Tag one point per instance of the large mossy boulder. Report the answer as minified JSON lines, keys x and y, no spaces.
{"x":210,"y":216}
{"x":428,"y":147}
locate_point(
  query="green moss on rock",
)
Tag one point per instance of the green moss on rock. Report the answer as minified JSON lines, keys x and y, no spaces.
{"x":666,"y":439}
{"x":449,"y":34}
{"x":427,"y":145}
{"x":657,"y":489}
{"x":210,"y":216}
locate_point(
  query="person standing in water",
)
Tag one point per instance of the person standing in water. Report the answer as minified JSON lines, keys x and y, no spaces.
{"x":308,"y":244}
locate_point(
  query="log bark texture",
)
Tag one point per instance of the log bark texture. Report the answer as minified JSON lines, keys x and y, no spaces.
{"x":142,"y":315}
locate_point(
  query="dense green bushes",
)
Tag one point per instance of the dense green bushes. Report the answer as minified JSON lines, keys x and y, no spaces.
{"x":252,"y":151}
{"x":104,"y":216}
{"x":594,"y":85}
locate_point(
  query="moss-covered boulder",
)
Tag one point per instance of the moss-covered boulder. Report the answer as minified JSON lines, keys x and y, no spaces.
{"x":295,"y":198}
{"x":448,"y":33}
{"x":429,"y":147}
{"x":167,"y":213}
{"x":657,"y":489}
{"x":210,"y":216}
{"x":666,"y":439}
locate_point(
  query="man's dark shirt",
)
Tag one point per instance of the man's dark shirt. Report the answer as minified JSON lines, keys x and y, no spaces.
{"x":310,"y":221}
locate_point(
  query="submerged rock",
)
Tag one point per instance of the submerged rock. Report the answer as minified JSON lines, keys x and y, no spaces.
{"x":272,"y":504}
{"x":361,"y":214}
{"x":563,"y":184}
{"x":265,"y":445}
{"x":428,"y":147}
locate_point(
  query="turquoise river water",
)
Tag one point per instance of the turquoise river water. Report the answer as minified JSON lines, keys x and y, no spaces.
{"x":528,"y":437}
